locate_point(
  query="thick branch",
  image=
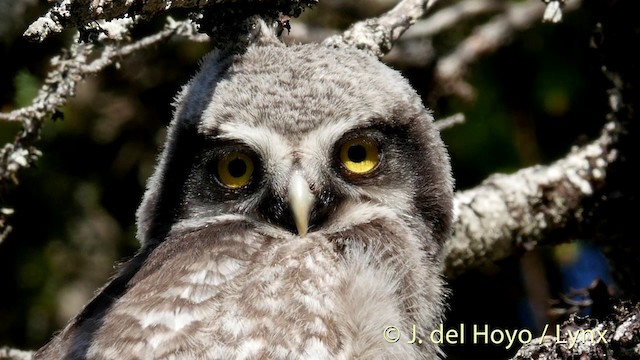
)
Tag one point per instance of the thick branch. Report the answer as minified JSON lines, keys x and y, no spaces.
{"x":377,"y":35}
{"x":507,"y":214}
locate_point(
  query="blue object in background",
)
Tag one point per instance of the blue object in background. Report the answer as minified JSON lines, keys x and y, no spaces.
{"x":579,"y":267}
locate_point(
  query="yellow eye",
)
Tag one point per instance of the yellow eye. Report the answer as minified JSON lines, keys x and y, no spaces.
{"x":235,"y":169}
{"x":360,"y":155}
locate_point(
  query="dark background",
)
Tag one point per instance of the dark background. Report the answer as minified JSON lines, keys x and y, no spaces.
{"x":74,"y":212}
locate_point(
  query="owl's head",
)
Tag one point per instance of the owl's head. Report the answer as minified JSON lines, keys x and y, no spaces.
{"x":297,"y":140}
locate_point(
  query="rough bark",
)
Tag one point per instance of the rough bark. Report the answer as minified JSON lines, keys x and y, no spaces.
{"x":613,"y":210}
{"x":617,"y":336}
{"x":617,"y":38}
{"x":83,"y":14}
{"x":540,"y":205}
{"x":377,"y":35}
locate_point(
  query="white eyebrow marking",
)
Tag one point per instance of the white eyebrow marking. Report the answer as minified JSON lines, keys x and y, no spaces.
{"x":268,"y":143}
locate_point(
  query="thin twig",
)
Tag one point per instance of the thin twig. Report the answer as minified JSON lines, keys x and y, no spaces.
{"x":69,"y":68}
{"x":487,"y":38}
{"x":448,"y":17}
{"x":4,"y":232}
{"x":450,"y":121}
{"x":15,"y":354}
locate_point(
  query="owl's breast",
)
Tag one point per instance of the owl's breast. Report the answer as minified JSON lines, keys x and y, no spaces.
{"x":220,"y":294}
{"x":234,"y":299}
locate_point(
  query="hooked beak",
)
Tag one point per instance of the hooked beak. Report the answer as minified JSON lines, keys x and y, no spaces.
{"x":300,"y":201}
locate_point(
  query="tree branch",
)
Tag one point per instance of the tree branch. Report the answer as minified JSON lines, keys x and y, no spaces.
{"x":82,"y":13}
{"x":615,"y":337}
{"x":14,"y":354}
{"x":507,"y":214}
{"x":450,"y":121}
{"x":69,"y":68}
{"x":377,"y":35}
{"x":485,"y":39}
{"x":448,"y":17}
{"x":414,"y":47}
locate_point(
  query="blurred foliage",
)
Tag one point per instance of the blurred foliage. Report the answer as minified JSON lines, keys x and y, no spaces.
{"x":74,"y":212}
{"x":26,"y":87}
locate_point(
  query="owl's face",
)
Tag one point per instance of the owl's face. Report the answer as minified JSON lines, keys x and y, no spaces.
{"x":297,"y":141}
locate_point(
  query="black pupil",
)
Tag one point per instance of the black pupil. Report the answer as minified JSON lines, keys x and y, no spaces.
{"x":237,"y":168}
{"x":357,"y":153}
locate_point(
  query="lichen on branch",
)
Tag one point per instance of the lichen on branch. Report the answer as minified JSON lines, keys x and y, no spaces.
{"x":213,"y":14}
{"x":509,"y":214}
{"x":69,"y":68}
{"x":377,"y":35}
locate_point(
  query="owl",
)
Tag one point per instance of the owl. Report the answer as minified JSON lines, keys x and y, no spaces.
{"x":297,"y":211}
